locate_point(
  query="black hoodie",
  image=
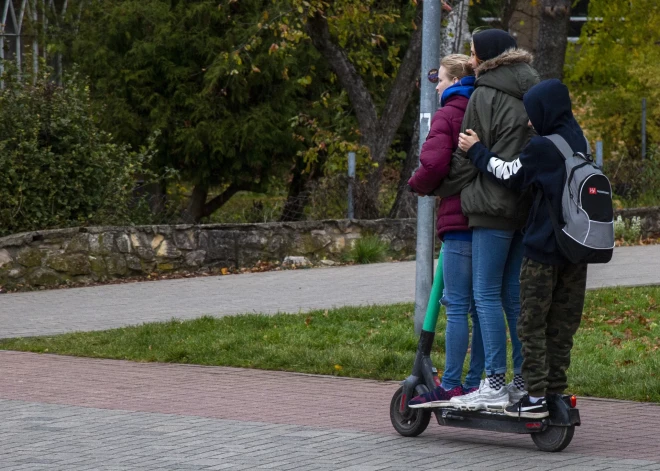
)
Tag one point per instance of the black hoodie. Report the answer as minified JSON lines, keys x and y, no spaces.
{"x":540,"y":165}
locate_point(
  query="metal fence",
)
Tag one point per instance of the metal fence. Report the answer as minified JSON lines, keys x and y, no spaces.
{"x":25,"y":31}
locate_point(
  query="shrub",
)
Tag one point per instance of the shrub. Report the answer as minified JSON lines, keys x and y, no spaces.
{"x":368,"y":249}
{"x":636,"y":182}
{"x":58,"y":168}
{"x":628,"y":231}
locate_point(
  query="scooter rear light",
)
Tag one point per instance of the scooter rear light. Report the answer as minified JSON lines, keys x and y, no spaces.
{"x":402,"y":406}
{"x":573,"y":401}
{"x":533,"y":425}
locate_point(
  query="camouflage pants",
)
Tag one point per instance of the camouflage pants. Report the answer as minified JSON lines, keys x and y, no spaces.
{"x":551,"y":302}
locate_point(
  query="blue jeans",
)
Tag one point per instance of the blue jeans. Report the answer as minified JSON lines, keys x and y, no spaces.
{"x":496,"y":261}
{"x":457,"y":299}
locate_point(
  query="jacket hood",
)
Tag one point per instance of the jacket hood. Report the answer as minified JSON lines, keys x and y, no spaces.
{"x":509,"y":72}
{"x":548,"y":105}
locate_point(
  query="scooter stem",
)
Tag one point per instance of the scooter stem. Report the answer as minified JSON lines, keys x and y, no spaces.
{"x":433,"y":307}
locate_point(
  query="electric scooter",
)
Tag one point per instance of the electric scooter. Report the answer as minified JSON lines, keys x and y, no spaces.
{"x":552,"y":433}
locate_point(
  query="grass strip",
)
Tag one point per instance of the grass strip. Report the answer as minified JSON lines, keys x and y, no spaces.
{"x":616,"y":352}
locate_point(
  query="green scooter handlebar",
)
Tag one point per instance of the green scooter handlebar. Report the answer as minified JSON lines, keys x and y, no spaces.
{"x":433,"y":308}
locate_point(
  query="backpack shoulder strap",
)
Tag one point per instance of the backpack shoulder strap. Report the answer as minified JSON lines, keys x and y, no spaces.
{"x":561,"y":144}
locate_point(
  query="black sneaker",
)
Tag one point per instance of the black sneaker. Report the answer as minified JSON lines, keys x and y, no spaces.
{"x":525,"y":408}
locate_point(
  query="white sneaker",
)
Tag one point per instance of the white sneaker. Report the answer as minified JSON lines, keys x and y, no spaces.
{"x":483,"y":398}
{"x":515,"y":394}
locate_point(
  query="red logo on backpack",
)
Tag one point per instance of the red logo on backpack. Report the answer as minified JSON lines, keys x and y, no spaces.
{"x":592,"y":190}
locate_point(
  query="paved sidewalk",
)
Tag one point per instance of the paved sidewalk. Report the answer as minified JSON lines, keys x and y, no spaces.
{"x":104,"y":307}
{"x":64,"y":413}
{"x":72,"y":414}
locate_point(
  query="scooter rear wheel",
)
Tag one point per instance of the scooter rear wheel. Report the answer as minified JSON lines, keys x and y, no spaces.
{"x":409,"y":422}
{"x":554,"y":438}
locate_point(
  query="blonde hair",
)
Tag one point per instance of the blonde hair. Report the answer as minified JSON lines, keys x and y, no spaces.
{"x":457,"y":65}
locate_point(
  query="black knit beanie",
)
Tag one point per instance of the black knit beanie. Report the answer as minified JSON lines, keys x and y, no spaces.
{"x":491,"y":43}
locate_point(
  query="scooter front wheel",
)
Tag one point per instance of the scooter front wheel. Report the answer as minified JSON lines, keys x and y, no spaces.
{"x":408,"y":422}
{"x":554,"y":438}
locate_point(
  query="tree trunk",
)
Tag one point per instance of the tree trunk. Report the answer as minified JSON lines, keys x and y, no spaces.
{"x":195,"y":210}
{"x":551,"y":45}
{"x":155,"y":193}
{"x":377,"y":133}
{"x":297,"y":196}
{"x":405,"y":204}
{"x":158,"y":199}
{"x":506,"y":13}
{"x":456,"y":35}
{"x":367,"y":202}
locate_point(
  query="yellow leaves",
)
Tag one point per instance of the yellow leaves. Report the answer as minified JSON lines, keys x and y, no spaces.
{"x":237,"y":58}
{"x":273,"y":48}
{"x":256,"y":69}
{"x":338,"y":368}
{"x":304,"y":81}
{"x":224,"y":271}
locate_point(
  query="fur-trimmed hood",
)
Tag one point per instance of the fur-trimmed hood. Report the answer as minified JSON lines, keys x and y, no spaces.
{"x":510,"y":56}
{"x":510,"y":72}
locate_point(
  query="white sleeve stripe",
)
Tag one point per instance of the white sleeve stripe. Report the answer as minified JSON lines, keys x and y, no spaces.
{"x":503,"y":170}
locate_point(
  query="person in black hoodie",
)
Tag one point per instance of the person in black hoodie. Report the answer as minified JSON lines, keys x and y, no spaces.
{"x":551,"y":288}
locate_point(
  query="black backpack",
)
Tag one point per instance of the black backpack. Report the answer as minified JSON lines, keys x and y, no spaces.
{"x":587,"y":234}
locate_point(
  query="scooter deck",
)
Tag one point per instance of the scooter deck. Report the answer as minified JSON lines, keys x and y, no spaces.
{"x":500,"y":422}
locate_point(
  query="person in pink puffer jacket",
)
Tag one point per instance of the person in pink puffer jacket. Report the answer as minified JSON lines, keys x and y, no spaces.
{"x":455,"y":85}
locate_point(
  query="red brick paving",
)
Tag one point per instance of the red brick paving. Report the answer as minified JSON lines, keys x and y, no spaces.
{"x":616,"y":429}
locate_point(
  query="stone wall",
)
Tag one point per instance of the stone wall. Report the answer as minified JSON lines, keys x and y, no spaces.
{"x":90,"y":254}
